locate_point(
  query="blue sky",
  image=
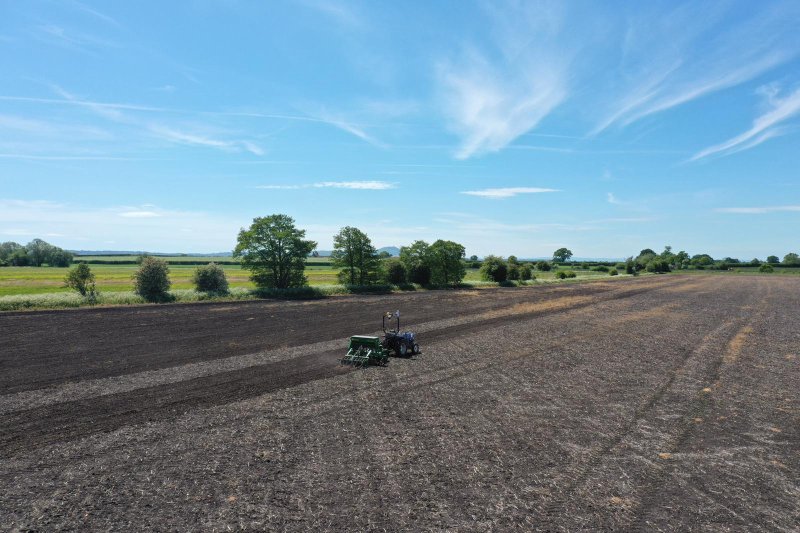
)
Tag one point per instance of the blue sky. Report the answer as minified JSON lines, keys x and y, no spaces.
{"x":513,"y":128}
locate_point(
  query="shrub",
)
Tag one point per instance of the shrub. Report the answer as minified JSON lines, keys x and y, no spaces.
{"x":210,"y":278}
{"x":81,"y":279}
{"x":600,"y":268}
{"x":630,"y":266}
{"x":513,"y":271}
{"x":543,"y":266}
{"x":494,"y":269}
{"x":420,"y":274}
{"x":658,"y":266}
{"x":151,"y":281}
{"x":525,"y":272}
{"x":613,"y":272}
{"x":564,"y":274}
{"x":396,"y":272}
{"x":766,"y":269}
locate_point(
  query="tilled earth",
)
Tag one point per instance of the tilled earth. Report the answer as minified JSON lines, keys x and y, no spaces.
{"x":666,"y":403}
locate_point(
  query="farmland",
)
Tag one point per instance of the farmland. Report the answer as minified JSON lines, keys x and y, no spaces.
{"x":115,"y":274}
{"x":664,"y":402}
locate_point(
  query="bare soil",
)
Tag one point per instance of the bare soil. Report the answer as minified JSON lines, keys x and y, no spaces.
{"x":661,"y":403}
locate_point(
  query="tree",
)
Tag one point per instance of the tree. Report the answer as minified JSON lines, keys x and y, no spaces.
{"x":354,"y":254}
{"x":544,"y":266}
{"x":383,"y":254}
{"x":659,"y":266}
{"x":396,"y":272}
{"x":562,"y":255}
{"x":210,"y":278}
{"x":416,"y":258}
{"x":81,"y":279}
{"x":494,"y":268}
{"x":512,"y":260}
{"x":18,"y":257}
{"x":681,"y":259}
{"x":6,"y":249}
{"x":773,"y":259}
{"x":445,"y":260}
{"x":473,"y":258}
{"x":38,"y":252}
{"x":791,"y":259}
{"x":525,"y":272}
{"x":630,"y":266}
{"x":702,"y":260}
{"x":151,"y":281}
{"x":274,"y":251}
{"x":59,"y":258}
{"x":766,"y":269}
{"x":755,"y":262}
{"x":513,"y":271}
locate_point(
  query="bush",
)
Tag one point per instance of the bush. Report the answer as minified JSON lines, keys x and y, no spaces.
{"x":543,"y":266}
{"x":600,"y":268}
{"x":525,"y":272}
{"x":396,"y":272}
{"x":658,"y":266}
{"x":494,"y":269}
{"x":151,"y":281}
{"x":513,"y":271}
{"x":766,"y":269}
{"x":81,"y":279}
{"x":564,"y":274}
{"x":420,"y":274}
{"x":613,"y":272}
{"x":210,"y":278}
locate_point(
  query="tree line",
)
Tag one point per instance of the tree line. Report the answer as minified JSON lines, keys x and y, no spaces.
{"x":36,"y":253}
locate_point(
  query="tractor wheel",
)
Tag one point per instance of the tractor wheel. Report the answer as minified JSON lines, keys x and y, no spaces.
{"x":415,"y":349}
{"x":402,"y":349}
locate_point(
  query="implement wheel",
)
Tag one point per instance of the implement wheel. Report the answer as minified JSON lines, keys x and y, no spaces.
{"x":402,"y":349}
{"x":415,"y":349}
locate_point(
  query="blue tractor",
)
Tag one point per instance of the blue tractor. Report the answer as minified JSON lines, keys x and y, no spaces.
{"x":403,"y":344}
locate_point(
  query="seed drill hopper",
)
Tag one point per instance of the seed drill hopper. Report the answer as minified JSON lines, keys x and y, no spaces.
{"x":367,"y":350}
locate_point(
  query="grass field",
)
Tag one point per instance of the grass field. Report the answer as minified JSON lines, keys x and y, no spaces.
{"x":118,"y":277}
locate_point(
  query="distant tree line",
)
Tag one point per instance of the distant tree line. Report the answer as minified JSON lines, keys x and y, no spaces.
{"x":36,"y":253}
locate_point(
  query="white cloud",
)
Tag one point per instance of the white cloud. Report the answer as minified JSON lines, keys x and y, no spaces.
{"x":652,"y":78}
{"x":758,"y":210}
{"x":764,"y":127}
{"x":358,"y":185}
{"x":507,"y":192}
{"x":139,"y":214}
{"x":364,"y":185}
{"x":494,"y":95}
{"x":612,"y":199}
{"x":181,"y":137}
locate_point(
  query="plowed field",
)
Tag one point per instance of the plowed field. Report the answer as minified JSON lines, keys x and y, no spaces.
{"x":660,"y":403}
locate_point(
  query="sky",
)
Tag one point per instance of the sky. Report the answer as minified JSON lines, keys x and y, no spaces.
{"x":510,"y":127}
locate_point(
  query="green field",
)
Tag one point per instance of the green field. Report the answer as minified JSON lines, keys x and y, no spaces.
{"x":118,"y":277}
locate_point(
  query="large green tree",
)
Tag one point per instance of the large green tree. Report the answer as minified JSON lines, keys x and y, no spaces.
{"x":416,"y":258}
{"x":791,"y":259}
{"x":562,"y":255}
{"x":274,"y":251}
{"x":354,"y":254}
{"x":446,"y":260}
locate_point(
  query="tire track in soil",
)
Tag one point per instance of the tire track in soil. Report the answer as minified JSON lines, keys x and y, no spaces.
{"x":724,"y":335}
{"x":37,"y":427}
{"x":698,"y":408}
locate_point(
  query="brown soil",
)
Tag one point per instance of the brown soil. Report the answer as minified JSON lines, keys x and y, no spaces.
{"x":656,"y":403}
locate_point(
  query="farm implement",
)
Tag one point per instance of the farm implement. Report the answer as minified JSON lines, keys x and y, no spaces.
{"x":367,"y":350}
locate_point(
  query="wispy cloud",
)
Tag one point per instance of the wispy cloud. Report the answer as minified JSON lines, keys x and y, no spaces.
{"x":493,"y":95}
{"x":369,"y":185}
{"x":181,"y":137}
{"x":613,"y":199}
{"x":507,"y":192}
{"x":758,"y":210}
{"x":764,"y":127}
{"x":735,"y":50}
